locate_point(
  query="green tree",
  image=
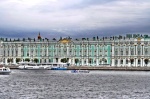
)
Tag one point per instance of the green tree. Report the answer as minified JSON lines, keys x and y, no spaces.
{"x":76,"y":60}
{"x":10,"y":60}
{"x":27,"y":59}
{"x":36,"y":60}
{"x":64,"y":60}
{"x":18,"y":60}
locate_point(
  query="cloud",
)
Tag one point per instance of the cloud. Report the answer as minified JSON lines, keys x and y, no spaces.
{"x":69,"y":16}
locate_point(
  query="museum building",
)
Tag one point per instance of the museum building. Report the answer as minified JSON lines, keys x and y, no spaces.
{"x":119,"y":51}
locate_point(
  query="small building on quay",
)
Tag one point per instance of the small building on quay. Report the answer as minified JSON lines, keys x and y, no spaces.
{"x":132,"y":50}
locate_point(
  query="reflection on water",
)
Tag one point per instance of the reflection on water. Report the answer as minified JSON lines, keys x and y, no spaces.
{"x":47,"y":84}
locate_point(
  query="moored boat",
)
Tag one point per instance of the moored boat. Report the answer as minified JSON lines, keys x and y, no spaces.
{"x":30,"y":65}
{"x":80,"y":71}
{"x":59,"y":66}
{"x":5,"y":71}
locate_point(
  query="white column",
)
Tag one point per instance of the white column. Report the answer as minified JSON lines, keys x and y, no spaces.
{"x":68,"y":51}
{"x":136,"y":62}
{"x":47,"y":52}
{"x":118,"y":63}
{"x":143,"y":50}
{"x":87,"y":63}
{"x":112,"y":57}
{"x":97,"y":50}
{"x":14,"y":60}
{"x":124,"y":62}
{"x":142,"y":62}
{"x":141,"y":65}
{"x":113,"y":62}
{"x":82,"y":62}
{"x":6,"y":61}
{"x":136,"y":50}
{"x":129,"y":51}
{"x":97,"y":62}
{"x":113,"y":50}
{"x":129,"y":62}
{"x":73,"y":61}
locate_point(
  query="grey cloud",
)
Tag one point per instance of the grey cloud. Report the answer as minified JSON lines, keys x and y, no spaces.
{"x":81,"y":18}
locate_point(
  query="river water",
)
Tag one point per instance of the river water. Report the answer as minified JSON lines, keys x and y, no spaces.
{"x":48,"y":84}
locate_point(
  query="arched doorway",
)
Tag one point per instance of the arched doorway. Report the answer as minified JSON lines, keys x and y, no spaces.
{"x":90,"y":61}
{"x":139,"y":62}
{"x":116,"y":62}
{"x":132,"y":61}
{"x":146,"y":62}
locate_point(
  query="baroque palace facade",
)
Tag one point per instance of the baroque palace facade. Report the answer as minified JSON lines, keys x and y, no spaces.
{"x":133,"y":50}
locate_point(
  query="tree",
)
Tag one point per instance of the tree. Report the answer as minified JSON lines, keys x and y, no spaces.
{"x":18,"y":60}
{"x":64,"y":60}
{"x":27,"y":59}
{"x":23,"y":39}
{"x":54,"y":39}
{"x":10,"y":60}
{"x":76,"y":60}
{"x":36,"y":60}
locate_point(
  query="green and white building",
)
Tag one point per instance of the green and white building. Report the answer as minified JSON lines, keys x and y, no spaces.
{"x":131,"y":50}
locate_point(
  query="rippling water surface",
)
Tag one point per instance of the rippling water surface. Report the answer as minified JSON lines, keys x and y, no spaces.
{"x":48,"y":84}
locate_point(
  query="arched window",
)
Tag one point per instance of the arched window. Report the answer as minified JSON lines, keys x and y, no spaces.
{"x":121,"y":61}
{"x":132,"y":61}
{"x":139,"y":52}
{"x":105,"y":61}
{"x":146,"y":61}
{"x":121,"y":52}
{"x":116,"y":62}
{"x":146,"y":51}
{"x":126,"y":61}
{"x":139,"y":61}
{"x":126,"y":52}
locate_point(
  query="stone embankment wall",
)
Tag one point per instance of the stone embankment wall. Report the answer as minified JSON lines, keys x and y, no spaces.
{"x":109,"y":68}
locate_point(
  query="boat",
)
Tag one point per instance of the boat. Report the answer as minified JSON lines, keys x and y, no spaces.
{"x":59,"y":66}
{"x":80,"y":71}
{"x":30,"y":65}
{"x":5,"y":71}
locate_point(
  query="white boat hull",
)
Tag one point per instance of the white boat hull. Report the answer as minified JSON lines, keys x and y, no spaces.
{"x":5,"y":71}
{"x":33,"y":67}
{"x":29,"y":65}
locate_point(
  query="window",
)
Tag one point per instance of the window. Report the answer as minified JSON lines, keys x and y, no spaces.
{"x":127,"y":52}
{"x":27,"y":54}
{"x":139,"y":61}
{"x":139,"y":52}
{"x":146,"y":51}
{"x":116,"y":62}
{"x":132,"y":52}
{"x":121,"y":52}
{"x":132,"y":61}
{"x":116,"y":52}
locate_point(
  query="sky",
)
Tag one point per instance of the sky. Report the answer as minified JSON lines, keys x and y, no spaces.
{"x":74,"y":18}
